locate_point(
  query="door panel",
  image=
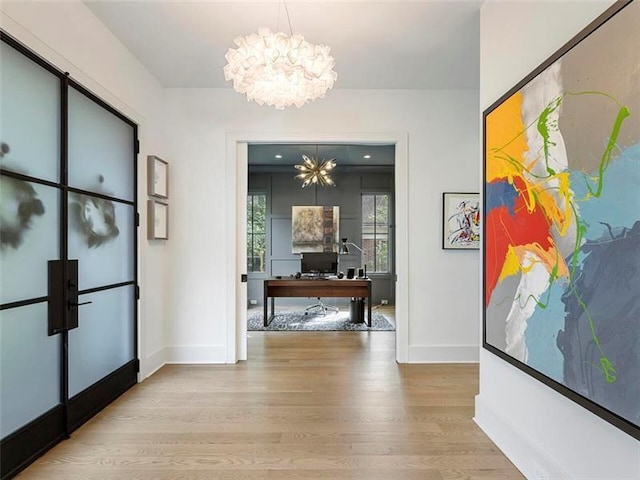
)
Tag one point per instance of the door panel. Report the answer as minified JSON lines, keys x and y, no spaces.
{"x":67,"y":246}
{"x":100,"y":146}
{"x":30,"y":363}
{"x":30,"y":116}
{"x":101,"y":234}
{"x":30,"y":237}
{"x":104,"y":339}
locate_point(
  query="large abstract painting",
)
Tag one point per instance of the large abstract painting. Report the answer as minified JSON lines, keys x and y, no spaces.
{"x":562,"y":221}
{"x":314,"y":228}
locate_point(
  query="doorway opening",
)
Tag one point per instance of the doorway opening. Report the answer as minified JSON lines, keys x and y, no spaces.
{"x":238,"y":167}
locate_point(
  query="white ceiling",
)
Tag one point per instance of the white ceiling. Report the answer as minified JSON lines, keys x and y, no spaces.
{"x":381,"y":44}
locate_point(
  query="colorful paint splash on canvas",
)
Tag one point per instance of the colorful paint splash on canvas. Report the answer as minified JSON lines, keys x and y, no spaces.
{"x":461,"y":220}
{"x":562,"y":220}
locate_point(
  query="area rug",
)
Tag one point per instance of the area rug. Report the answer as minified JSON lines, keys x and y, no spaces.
{"x":298,"y":321}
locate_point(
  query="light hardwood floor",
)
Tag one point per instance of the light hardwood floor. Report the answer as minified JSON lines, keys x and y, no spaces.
{"x":307,"y":405}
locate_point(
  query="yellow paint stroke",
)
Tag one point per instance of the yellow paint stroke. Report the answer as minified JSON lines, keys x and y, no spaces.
{"x":505,"y":143}
{"x":511,"y":264}
{"x":517,"y":260}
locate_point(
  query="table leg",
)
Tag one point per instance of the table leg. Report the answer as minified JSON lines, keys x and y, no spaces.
{"x":273,"y":309}
{"x":369,"y":306}
{"x":265,"y":318}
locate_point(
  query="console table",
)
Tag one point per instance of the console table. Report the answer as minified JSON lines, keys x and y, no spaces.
{"x":319,"y":287}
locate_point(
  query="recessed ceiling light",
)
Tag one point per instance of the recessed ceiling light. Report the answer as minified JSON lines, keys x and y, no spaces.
{"x":278,"y":156}
{"x":367,"y":156}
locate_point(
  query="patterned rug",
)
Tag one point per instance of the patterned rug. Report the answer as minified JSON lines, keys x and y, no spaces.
{"x":297,"y":320}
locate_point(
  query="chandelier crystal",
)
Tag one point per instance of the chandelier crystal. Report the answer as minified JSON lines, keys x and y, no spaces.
{"x":314,"y":172}
{"x":279,"y":70}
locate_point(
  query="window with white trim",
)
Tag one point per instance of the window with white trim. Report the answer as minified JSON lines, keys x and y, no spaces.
{"x":256,"y":232}
{"x":375,"y":232}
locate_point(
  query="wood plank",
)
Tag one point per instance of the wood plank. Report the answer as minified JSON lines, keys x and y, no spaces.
{"x":305,"y":406}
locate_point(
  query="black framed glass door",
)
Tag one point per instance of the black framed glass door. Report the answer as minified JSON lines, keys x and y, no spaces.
{"x":68,"y":235}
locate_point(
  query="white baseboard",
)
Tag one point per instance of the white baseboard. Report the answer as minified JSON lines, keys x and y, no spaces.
{"x":152,"y":363}
{"x":196,"y":354}
{"x":190,"y":354}
{"x":444,"y":354}
{"x":528,"y":457}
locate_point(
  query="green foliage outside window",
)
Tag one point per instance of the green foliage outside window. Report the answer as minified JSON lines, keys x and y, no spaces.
{"x":375,"y":232}
{"x":256,"y":232}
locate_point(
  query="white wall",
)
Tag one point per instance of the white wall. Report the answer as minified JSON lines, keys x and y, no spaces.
{"x":68,"y":35}
{"x":546,"y":435}
{"x":443,"y":148}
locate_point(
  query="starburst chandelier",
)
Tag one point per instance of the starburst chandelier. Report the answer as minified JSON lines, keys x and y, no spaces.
{"x":316,"y":172}
{"x":279,"y":69}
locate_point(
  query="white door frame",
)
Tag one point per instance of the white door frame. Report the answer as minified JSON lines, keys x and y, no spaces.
{"x":236,"y":234}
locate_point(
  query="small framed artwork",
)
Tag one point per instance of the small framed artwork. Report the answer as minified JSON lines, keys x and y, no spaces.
{"x":460,"y":221}
{"x":158,"y":220}
{"x":158,"y":177}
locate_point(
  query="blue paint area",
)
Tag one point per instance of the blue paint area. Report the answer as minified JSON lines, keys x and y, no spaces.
{"x":618,"y":207}
{"x":542,"y":332}
{"x":607,"y":307}
{"x":501,"y":193}
{"x":619,"y":204}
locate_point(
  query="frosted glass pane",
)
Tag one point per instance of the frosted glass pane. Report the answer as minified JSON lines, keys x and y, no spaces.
{"x":29,"y":366}
{"x":30,"y":116}
{"x":100,"y":149}
{"x":29,"y":237}
{"x":103,"y":341}
{"x":101,"y":238}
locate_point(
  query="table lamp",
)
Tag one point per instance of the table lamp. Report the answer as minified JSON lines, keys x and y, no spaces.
{"x":344,"y":250}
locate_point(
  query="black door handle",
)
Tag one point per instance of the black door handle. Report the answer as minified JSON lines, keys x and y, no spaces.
{"x":74,"y":304}
{"x":63,"y":296}
{"x":72,"y":294}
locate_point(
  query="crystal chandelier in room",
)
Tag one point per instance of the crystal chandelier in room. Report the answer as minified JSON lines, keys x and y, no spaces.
{"x":316,"y":172}
{"x":279,"y":69}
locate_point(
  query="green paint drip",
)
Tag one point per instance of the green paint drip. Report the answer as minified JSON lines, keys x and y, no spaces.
{"x":605,"y":159}
{"x":581,"y":230}
{"x":543,"y":130}
{"x":608,"y":370}
{"x":607,"y":366}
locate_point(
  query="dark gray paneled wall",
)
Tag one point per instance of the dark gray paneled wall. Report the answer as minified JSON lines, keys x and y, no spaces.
{"x":283,"y":191}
